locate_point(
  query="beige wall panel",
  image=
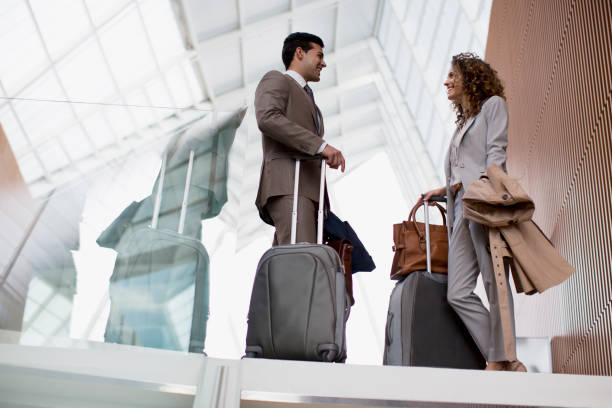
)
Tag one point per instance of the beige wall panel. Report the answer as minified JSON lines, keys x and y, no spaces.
{"x":17,"y":211}
{"x":555,"y":58}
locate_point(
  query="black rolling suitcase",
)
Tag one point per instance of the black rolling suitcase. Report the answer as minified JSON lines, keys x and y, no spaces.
{"x":422,"y":328}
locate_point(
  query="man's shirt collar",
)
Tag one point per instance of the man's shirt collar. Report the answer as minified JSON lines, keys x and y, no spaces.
{"x":297,"y":77}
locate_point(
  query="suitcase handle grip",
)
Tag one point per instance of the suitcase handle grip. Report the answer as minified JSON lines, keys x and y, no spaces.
{"x":437,"y":199}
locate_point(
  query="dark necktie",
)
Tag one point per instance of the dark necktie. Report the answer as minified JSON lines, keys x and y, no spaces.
{"x":309,"y":92}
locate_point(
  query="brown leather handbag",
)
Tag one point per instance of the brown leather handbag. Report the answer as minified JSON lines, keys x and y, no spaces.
{"x":410,"y":251}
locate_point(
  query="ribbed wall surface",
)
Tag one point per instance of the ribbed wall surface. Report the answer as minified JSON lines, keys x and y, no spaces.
{"x":555,"y":57}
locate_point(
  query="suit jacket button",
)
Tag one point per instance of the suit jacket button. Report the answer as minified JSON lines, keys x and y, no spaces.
{"x":505,"y":196}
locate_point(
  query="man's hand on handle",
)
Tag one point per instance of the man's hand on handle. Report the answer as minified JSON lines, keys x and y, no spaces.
{"x":333,"y":157}
{"x":437,"y":192}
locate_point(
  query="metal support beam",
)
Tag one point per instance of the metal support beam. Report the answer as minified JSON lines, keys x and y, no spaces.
{"x":184,"y":16}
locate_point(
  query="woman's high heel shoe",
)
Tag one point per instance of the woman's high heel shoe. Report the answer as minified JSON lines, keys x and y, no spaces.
{"x":515,"y":366}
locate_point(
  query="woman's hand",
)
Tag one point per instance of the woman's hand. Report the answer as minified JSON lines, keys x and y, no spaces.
{"x":436,"y":192}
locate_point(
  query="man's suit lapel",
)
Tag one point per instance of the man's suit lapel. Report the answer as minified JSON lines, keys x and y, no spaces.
{"x":309,"y":103}
{"x":321,"y":129}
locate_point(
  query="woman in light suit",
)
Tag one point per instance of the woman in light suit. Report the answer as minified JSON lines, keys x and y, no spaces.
{"x":479,"y":140}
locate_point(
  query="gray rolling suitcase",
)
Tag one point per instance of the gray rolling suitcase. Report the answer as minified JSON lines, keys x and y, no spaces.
{"x":422,"y":328}
{"x":156,"y":270}
{"x":299,"y":303}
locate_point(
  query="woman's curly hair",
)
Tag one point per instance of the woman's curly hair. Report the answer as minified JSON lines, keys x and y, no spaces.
{"x":480,"y":82}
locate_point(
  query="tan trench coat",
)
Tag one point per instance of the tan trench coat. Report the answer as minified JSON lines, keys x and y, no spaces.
{"x":499,"y":202}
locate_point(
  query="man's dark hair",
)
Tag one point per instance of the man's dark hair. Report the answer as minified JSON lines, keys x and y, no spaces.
{"x":295,"y":40}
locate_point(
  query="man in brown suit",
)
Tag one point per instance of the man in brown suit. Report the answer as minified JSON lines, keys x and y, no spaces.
{"x":292,"y":126}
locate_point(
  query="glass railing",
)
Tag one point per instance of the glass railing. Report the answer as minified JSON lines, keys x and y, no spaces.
{"x":157,"y":245}
{"x":117,"y":255}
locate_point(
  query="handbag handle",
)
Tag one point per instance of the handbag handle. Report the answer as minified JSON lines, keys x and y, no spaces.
{"x":412,"y":218}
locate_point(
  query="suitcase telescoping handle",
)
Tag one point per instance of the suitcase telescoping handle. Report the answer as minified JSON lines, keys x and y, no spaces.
{"x":438,"y":199}
{"x":295,"y":203}
{"x":160,"y":188}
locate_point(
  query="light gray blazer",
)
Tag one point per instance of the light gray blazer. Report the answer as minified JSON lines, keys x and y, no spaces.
{"x":483,"y":141}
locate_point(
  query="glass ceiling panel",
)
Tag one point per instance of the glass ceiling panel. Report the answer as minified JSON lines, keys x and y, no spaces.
{"x":144,"y":116}
{"x":52,"y":16}
{"x":213,"y":18}
{"x":53,"y":156}
{"x":434,"y":31}
{"x":119,"y":119}
{"x":42,"y":119}
{"x":76,"y":142}
{"x":178,"y":82}
{"x":322,"y":21}
{"x":413,"y":18}
{"x":102,"y":10}
{"x":19,"y":41}
{"x":83,"y":72}
{"x":260,"y":60}
{"x":357,"y":19}
{"x":158,"y":95}
{"x":85,"y":76}
{"x":192,"y":82}
{"x":125,"y":45}
{"x":254,"y":10}
{"x":12,"y":130}
{"x":224,"y":69}
{"x":30,"y":168}
{"x":166,"y":43}
{"x":98,"y":125}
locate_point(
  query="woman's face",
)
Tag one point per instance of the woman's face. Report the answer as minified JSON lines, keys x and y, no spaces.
{"x":454,"y":85}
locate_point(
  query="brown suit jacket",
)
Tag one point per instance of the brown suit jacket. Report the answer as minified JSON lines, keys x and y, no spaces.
{"x":499,"y":202}
{"x":287,"y":119}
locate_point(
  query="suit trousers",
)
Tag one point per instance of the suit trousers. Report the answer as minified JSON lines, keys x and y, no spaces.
{"x":467,"y":257}
{"x":280,"y":209}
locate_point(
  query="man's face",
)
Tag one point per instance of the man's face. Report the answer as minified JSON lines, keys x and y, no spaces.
{"x":311,"y":63}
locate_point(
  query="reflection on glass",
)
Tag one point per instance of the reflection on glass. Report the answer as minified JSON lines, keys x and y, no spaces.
{"x":45,"y":264}
{"x":159,"y":288}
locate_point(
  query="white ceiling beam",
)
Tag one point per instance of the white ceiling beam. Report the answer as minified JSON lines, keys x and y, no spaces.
{"x":336,"y":42}
{"x":240,"y":9}
{"x":379,"y":10}
{"x":184,"y":17}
